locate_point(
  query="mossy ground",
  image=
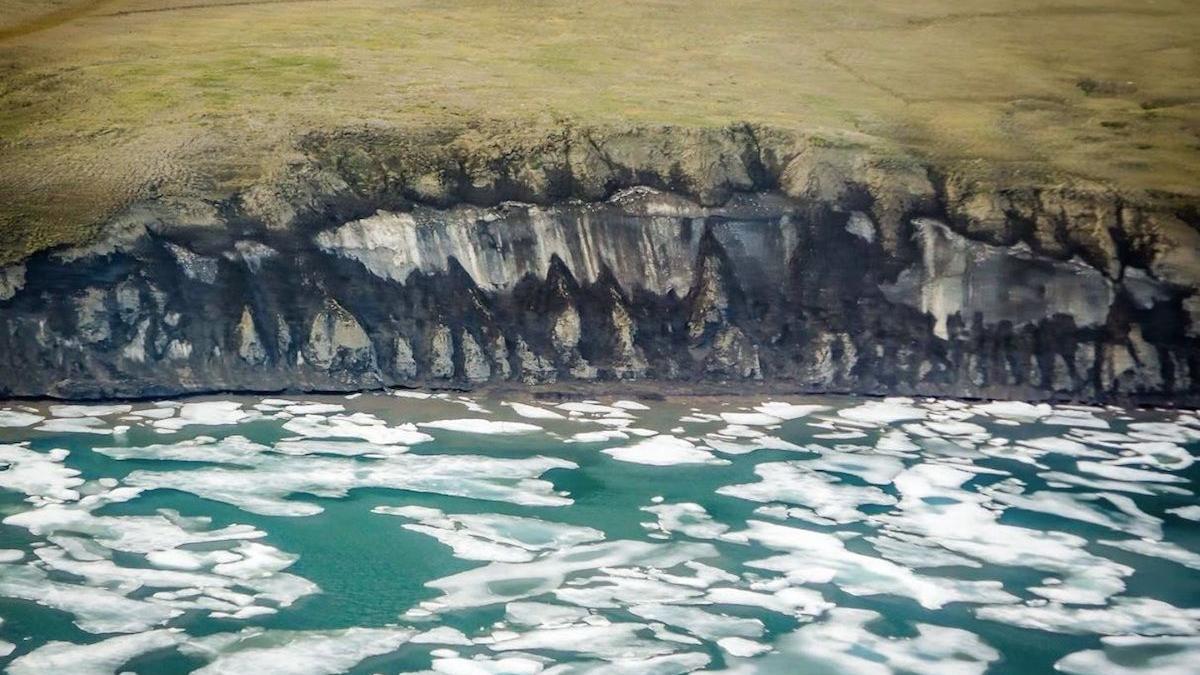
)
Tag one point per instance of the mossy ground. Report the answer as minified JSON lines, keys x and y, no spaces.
{"x":105,"y":101}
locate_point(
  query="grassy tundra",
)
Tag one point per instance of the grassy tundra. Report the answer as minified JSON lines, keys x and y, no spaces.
{"x":106,"y":101}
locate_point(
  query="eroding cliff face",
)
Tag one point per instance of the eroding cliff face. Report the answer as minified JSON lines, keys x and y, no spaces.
{"x":765,"y":290}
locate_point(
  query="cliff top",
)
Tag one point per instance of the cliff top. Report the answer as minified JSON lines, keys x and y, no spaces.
{"x":103,"y":102}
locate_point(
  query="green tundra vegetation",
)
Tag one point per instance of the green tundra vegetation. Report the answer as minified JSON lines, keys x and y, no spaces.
{"x":103,"y":102}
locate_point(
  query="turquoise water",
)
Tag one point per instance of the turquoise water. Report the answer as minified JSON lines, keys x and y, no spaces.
{"x":413,"y":533}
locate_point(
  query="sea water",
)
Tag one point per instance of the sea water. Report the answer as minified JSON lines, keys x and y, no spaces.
{"x":413,"y":532}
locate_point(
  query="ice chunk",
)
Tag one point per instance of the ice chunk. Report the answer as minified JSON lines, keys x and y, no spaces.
{"x":482,"y":426}
{"x":699,"y":622}
{"x":339,"y":448}
{"x":230,"y":450}
{"x":612,"y":641}
{"x":38,"y":475}
{"x":1158,"y":549}
{"x":442,"y":635}
{"x":1126,"y":474}
{"x":99,"y":658}
{"x":1187,"y":512}
{"x":505,"y":582}
{"x":887,"y":411}
{"x":794,"y":483}
{"x":1125,"y":615}
{"x":1087,"y":508}
{"x":255,"y":650}
{"x":818,"y":557}
{"x":741,"y":647}
{"x":533,"y":412}
{"x":495,"y":537}
{"x":78,"y":425}
{"x":265,"y":488}
{"x":789,"y":600}
{"x":96,"y":610}
{"x":314,"y":408}
{"x":750,"y":419}
{"x":89,"y":410}
{"x":842,"y":644}
{"x":17,"y":418}
{"x":543,"y":614}
{"x":936,"y":509}
{"x":1133,"y":654}
{"x":688,"y":518}
{"x":872,"y":468}
{"x":1014,"y":410}
{"x":663,"y":450}
{"x":207,"y":413}
{"x":788,"y":411}
{"x":358,"y":425}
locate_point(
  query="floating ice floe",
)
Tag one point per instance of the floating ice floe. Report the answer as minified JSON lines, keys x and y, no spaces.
{"x":842,"y":643}
{"x":935,"y":508}
{"x":80,"y":425}
{"x":358,"y":425}
{"x":255,"y":650}
{"x":871,"y":468}
{"x":1014,"y":410}
{"x":265,"y":487}
{"x":96,"y":610}
{"x":700,"y":622}
{"x":487,"y":585}
{"x":543,"y":614}
{"x":1187,"y":512}
{"x":591,"y":408}
{"x":785,"y":600}
{"x":1124,"y":473}
{"x":686,"y":518}
{"x":816,"y":557}
{"x":533,"y":412}
{"x":612,"y":641}
{"x":663,"y":450}
{"x":750,"y":419}
{"x":1087,"y":508}
{"x":17,"y":418}
{"x":89,"y":410}
{"x":630,"y":405}
{"x":760,"y":442}
{"x":207,"y":413}
{"x":38,"y":475}
{"x":482,"y":426}
{"x":887,"y":411}
{"x":1157,"y":549}
{"x":492,"y":537}
{"x":602,"y":436}
{"x":788,"y":411}
{"x":230,"y":450}
{"x":1134,"y":654}
{"x":98,"y":658}
{"x":794,"y":483}
{"x":442,"y":635}
{"x":1124,"y":615}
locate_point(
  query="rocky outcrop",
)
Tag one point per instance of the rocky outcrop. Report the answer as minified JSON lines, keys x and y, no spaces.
{"x":769,"y":266}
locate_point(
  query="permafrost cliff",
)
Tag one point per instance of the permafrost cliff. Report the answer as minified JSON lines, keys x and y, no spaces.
{"x":731,"y":260}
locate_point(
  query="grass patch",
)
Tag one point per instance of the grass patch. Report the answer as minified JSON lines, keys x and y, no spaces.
{"x":100,"y":102}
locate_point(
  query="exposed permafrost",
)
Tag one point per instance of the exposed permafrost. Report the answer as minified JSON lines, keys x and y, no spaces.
{"x":957,"y":276}
{"x":763,"y":291}
{"x":646,"y":239}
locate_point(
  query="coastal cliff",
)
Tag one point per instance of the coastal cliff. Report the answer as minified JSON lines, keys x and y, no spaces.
{"x":732,"y":259}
